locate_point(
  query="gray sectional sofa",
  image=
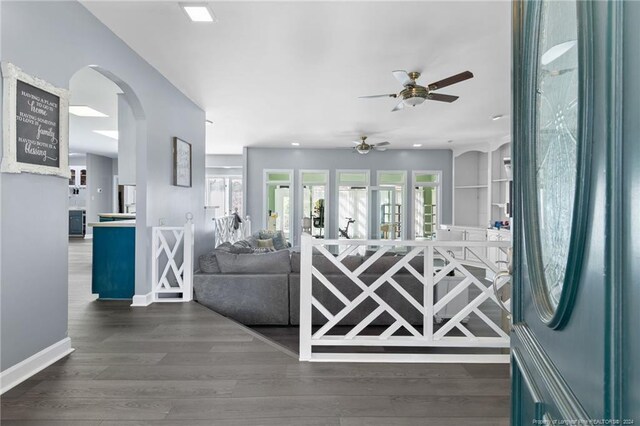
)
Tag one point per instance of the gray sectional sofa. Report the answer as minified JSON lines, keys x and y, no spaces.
{"x":264,"y":288}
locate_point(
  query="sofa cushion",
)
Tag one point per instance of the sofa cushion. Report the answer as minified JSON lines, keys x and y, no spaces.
{"x":276,"y":262}
{"x":208,"y":263}
{"x":324,"y":265}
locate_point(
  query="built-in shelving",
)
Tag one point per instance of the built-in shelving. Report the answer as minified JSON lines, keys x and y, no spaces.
{"x":481,"y":186}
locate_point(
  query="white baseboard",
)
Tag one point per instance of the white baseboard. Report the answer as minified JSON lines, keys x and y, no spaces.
{"x":20,"y":372}
{"x":140,"y":300}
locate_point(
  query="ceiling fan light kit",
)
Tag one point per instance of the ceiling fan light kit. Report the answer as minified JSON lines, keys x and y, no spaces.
{"x":413,"y":94}
{"x":362,"y":147}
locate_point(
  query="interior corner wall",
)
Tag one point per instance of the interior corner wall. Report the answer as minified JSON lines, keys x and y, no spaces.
{"x":61,"y":38}
{"x":258,"y":159}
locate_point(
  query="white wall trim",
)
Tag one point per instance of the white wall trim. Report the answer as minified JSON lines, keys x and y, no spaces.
{"x":23,"y":370}
{"x":141,"y":300}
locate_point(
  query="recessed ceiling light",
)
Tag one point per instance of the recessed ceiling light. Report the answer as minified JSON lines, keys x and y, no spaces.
{"x":198,"y":12}
{"x":85,"y":111}
{"x":113,"y":134}
{"x":295,"y":143}
{"x":417,"y":145}
{"x":497,"y":117}
{"x":209,"y":122}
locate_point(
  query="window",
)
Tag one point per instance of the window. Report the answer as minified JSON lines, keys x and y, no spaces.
{"x":314,"y":201}
{"x":278,"y":198}
{"x":426,"y":195}
{"x":353,"y":203}
{"x":224,"y":193}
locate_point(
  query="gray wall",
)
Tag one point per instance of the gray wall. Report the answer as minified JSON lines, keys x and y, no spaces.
{"x":215,"y":160}
{"x":99,"y":187}
{"x":61,"y":38}
{"x":258,"y":159}
{"x":126,"y":143}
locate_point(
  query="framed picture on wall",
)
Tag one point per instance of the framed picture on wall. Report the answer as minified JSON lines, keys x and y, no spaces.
{"x":181,"y":163}
{"x":35,"y":125}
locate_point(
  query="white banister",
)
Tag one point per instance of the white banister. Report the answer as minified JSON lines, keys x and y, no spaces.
{"x":224,"y":229}
{"x":172,"y":262}
{"x":450,"y":317}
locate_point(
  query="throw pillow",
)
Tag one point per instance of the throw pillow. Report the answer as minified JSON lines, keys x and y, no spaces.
{"x":267,"y":243}
{"x":226,"y":247}
{"x":253,"y":241}
{"x":263,"y":249}
{"x":279,"y":241}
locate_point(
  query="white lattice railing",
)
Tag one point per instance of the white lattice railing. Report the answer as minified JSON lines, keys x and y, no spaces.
{"x":474,"y":316}
{"x":172,"y":263}
{"x":224,"y":229}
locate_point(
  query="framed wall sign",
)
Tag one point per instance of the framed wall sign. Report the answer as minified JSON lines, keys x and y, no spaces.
{"x":35,"y":125}
{"x":181,"y":163}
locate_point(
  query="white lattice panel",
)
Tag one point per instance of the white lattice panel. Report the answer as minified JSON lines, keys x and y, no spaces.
{"x":172,"y":263}
{"x":224,"y":230}
{"x":484,"y":308}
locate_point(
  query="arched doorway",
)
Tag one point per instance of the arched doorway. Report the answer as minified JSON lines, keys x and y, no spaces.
{"x":106,"y":128}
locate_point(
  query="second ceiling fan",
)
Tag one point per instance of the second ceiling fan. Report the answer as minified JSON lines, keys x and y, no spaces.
{"x":413,"y":94}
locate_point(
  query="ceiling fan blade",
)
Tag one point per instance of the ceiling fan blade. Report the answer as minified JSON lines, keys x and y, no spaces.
{"x":398,"y":107}
{"x":451,"y":80}
{"x":441,"y":97}
{"x":379,"y":149}
{"x":403,"y":77}
{"x":392,"y":95}
{"x":382,"y":144}
{"x":357,"y":142}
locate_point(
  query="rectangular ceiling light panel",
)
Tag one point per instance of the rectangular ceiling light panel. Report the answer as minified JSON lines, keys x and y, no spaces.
{"x":85,"y":111}
{"x":198,"y":12}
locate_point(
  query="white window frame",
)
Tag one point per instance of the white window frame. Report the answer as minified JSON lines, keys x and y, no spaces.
{"x":437,"y":185}
{"x":265,"y":183}
{"x":337,"y":186}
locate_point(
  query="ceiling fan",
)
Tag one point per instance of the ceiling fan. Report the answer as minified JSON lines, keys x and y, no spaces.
{"x":362,"y":147}
{"x":414,"y":94}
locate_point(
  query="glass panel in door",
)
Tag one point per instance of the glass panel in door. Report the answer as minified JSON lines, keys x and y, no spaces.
{"x":279,"y":209}
{"x":352,"y":212}
{"x":425,"y":212}
{"x":387,"y":213}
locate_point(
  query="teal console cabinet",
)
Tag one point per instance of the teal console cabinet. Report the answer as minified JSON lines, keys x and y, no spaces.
{"x":113,"y":271}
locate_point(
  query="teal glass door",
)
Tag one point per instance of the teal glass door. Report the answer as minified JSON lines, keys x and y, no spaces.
{"x":575,"y":345}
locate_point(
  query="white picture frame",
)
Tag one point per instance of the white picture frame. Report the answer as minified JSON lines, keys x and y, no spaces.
{"x":11,"y":76}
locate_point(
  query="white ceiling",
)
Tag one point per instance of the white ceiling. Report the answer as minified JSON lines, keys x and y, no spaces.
{"x":270,"y":73}
{"x":88,"y":87}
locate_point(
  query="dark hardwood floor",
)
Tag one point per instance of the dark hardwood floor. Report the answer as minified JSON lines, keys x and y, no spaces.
{"x":182,"y":364}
